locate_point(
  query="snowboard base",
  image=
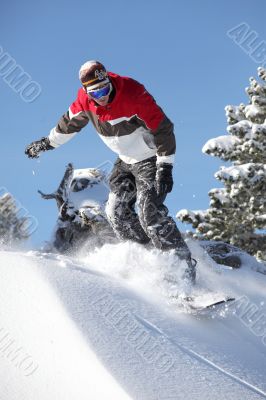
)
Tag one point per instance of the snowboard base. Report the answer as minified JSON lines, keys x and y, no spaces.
{"x":205,"y":301}
{"x":198,"y":304}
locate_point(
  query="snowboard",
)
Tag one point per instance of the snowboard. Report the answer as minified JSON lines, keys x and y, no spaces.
{"x":202,"y":300}
{"x":208,"y":300}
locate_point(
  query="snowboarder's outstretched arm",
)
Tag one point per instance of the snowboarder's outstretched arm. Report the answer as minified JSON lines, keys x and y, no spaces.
{"x":68,"y":126}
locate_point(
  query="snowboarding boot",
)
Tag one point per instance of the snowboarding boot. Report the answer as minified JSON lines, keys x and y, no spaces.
{"x":190,"y":271}
{"x":183,"y":253}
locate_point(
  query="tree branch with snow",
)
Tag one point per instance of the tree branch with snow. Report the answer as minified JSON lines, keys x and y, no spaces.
{"x":237,"y":212}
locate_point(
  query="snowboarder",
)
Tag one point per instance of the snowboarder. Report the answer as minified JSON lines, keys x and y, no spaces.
{"x":130,"y":122}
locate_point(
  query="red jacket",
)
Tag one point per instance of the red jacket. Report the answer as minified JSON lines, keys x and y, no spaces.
{"x":132,"y":124}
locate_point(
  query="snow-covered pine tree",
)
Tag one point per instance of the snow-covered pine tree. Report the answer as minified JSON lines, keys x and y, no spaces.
{"x":237,"y":212}
{"x":13,"y":228}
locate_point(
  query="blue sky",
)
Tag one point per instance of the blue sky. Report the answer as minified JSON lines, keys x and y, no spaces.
{"x":179,"y":49}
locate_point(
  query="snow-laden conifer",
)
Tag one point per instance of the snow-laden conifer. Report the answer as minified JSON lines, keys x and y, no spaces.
{"x":237,"y":212}
{"x":13,"y":226}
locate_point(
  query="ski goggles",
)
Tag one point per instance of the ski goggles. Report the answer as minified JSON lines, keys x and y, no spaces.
{"x":101,"y":92}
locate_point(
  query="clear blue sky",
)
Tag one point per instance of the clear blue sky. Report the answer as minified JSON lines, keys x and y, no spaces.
{"x":178,"y":48}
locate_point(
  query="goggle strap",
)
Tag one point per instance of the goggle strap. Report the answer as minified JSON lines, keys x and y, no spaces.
{"x":92,"y":80}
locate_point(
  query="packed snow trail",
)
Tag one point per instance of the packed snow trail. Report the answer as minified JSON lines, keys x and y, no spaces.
{"x":101,"y":327}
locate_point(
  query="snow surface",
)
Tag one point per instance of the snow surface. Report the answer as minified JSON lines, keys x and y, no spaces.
{"x":102,"y":326}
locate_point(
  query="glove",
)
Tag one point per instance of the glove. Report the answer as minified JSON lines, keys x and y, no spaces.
{"x":164,"y":179}
{"x":35,"y":148}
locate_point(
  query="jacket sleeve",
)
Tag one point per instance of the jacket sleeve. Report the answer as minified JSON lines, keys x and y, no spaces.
{"x":158,"y":123}
{"x":69,"y":124}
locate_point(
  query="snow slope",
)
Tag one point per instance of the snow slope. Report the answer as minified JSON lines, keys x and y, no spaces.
{"x":102,"y":327}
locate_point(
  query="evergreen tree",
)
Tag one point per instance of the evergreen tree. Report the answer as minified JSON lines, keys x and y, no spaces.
{"x":13,"y":228}
{"x":237,"y":212}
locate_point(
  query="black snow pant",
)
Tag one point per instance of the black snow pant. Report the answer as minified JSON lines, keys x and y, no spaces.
{"x":134,"y":184}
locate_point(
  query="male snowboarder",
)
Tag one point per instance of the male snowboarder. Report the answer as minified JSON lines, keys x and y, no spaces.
{"x":130,"y":122}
